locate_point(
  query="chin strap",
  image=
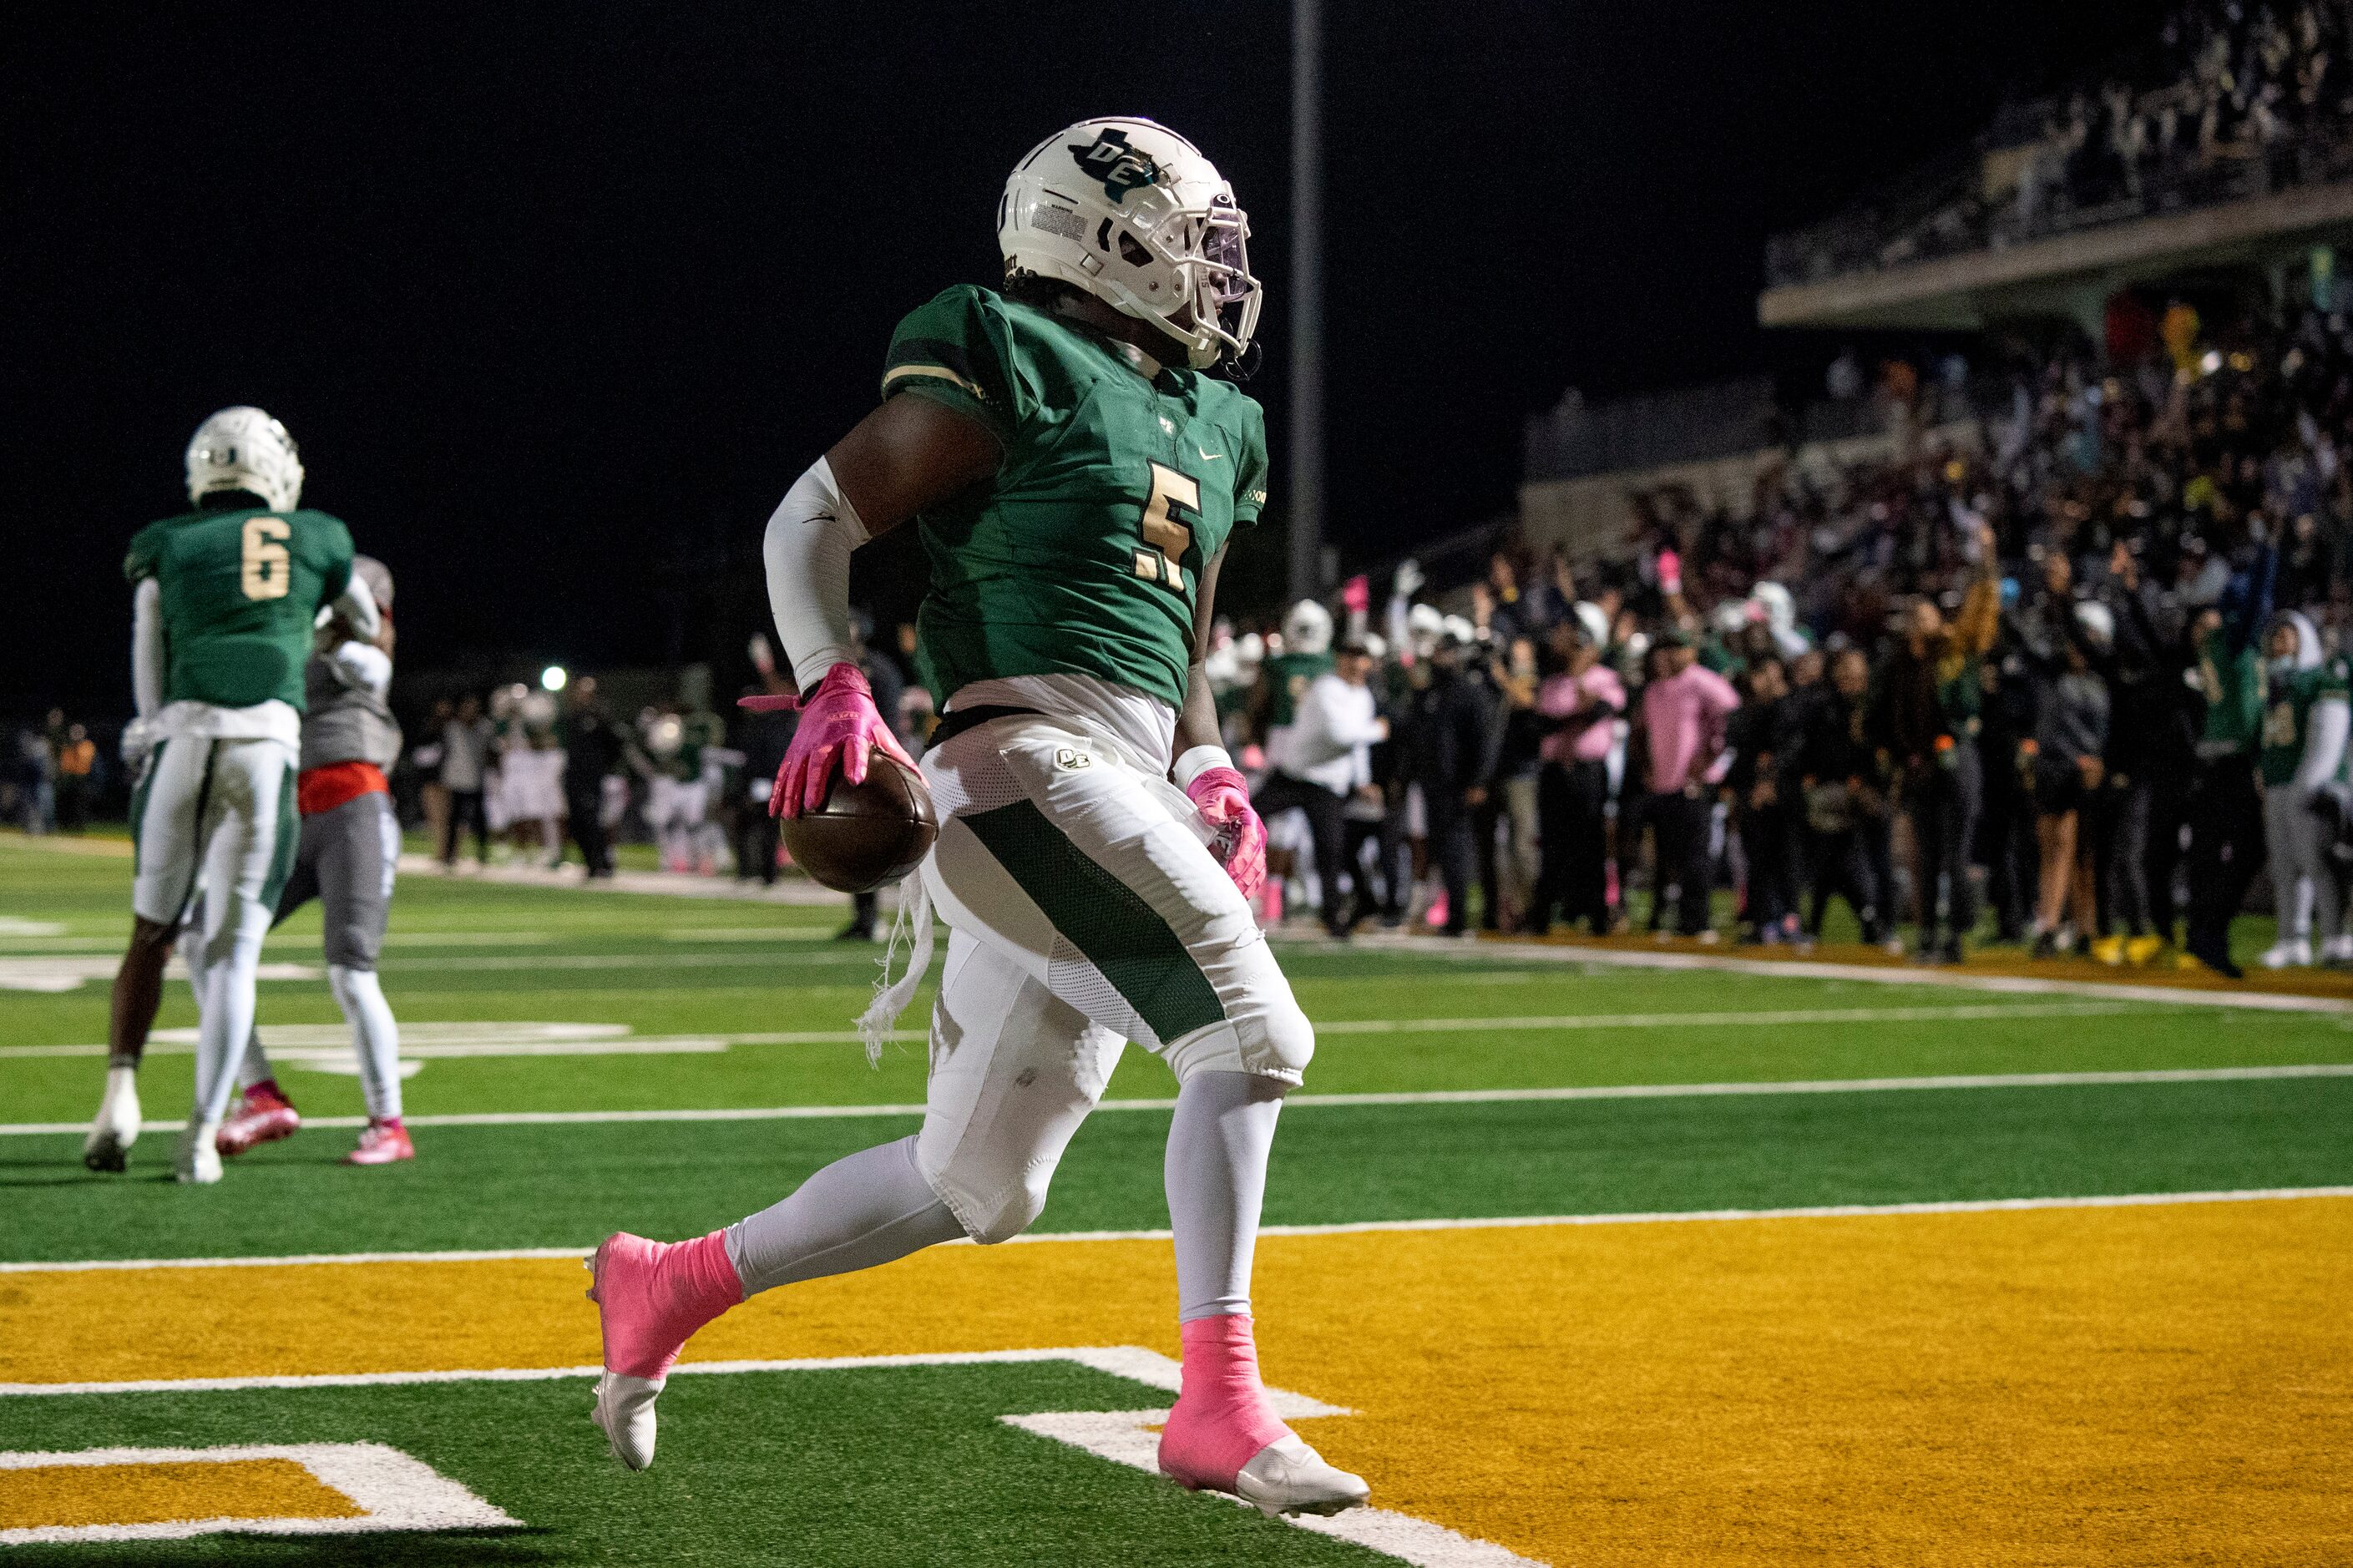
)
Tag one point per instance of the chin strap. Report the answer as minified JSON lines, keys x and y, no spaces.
{"x":891,"y":997}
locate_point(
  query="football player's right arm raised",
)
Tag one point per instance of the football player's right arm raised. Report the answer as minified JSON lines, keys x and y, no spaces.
{"x":909,"y":454}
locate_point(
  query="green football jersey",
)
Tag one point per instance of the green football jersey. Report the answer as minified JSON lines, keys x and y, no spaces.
{"x":1288,"y":677}
{"x":240,"y":590}
{"x":2287,"y":716}
{"x":1084,"y":555}
{"x":2234,"y":684}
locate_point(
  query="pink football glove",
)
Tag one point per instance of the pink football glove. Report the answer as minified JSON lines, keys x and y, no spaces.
{"x":841,"y":727}
{"x":1223,"y":800}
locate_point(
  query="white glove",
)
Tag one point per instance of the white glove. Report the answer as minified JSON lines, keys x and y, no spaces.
{"x":1408,"y":579}
{"x":139,"y":738}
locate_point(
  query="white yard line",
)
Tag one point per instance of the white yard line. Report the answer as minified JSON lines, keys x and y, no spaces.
{"x":1868,"y":974}
{"x":1350,"y":1227}
{"x":1125,"y":1436}
{"x":1296,"y":1101}
{"x":392,"y":1490}
{"x":169,"y":1042}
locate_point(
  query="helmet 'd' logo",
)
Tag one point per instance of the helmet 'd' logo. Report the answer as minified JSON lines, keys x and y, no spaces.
{"x":1119,"y":166}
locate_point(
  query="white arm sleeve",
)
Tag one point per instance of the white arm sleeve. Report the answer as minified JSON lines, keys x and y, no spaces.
{"x":147,"y":647}
{"x":2324,"y":746}
{"x":810,"y":537}
{"x":362,"y":666}
{"x":356,"y":604}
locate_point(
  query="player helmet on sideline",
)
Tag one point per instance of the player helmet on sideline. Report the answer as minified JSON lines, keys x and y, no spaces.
{"x":242,"y":448}
{"x":1131,"y":212}
{"x":1307,"y":629}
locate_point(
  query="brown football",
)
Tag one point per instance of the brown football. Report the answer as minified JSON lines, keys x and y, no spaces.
{"x":866,"y":833}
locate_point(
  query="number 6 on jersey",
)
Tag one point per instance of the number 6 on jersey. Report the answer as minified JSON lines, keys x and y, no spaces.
{"x":1167,"y":537}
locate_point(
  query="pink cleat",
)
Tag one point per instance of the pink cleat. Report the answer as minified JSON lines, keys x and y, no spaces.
{"x":264,"y":1117}
{"x":651,"y":1299}
{"x":383,"y":1142}
{"x":1224,"y":1437}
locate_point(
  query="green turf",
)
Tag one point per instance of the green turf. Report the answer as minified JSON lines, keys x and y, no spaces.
{"x":853,"y":1467}
{"x":912,"y":1465}
{"x":481,"y":1187}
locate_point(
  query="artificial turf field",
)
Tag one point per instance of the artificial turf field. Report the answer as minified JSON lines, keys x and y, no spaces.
{"x":1758,"y":1303}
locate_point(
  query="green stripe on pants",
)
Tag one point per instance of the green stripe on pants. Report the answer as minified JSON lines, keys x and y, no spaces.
{"x":1103,"y":918}
{"x":282,"y":853}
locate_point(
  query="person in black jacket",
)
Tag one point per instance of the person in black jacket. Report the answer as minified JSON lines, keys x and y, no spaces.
{"x":1757,"y":736}
{"x":594,"y":748}
{"x":1454,"y":740}
{"x":1845,"y":800}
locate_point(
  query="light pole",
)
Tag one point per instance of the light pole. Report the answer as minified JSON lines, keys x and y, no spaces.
{"x":1306,"y":500}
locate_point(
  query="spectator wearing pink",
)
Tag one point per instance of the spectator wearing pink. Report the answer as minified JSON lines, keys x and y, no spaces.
{"x":1579,"y":707}
{"x":1684,"y":713}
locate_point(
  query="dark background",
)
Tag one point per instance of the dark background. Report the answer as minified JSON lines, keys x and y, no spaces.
{"x":558,"y":299}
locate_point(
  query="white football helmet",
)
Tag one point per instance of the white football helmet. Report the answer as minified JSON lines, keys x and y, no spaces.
{"x":1131,"y":211}
{"x":242,"y":448}
{"x":1307,"y":629}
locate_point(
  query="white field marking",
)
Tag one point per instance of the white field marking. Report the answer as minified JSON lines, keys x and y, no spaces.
{"x":1148,"y":1367}
{"x":17,"y":925}
{"x":1303,"y":1101}
{"x":396,"y":1490}
{"x":1869,"y":973}
{"x":1348,"y":1227}
{"x":60,"y":974}
{"x":651,"y":958}
{"x":276,"y":1038}
{"x":748,"y":934}
{"x":420,"y":1499}
{"x":1132,"y":1438}
{"x":676,"y":884}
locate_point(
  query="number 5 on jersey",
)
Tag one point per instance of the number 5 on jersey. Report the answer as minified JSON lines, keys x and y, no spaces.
{"x":263,"y":564}
{"x":1166,"y":536}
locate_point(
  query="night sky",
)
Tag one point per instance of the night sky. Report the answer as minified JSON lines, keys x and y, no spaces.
{"x":558,"y":299}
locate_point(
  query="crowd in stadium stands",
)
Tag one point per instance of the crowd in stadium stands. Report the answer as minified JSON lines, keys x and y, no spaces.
{"x":2082,"y":664}
{"x":50,"y":777}
{"x":2233,"y":99}
{"x":2092,"y":653}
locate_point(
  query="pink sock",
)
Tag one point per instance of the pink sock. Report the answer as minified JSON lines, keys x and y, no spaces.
{"x":660,"y":1295}
{"x":1222,"y":1418}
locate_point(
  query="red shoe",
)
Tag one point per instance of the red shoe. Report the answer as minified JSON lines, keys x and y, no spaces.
{"x":651,"y":1299}
{"x":264,"y":1117}
{"x":382,"y":1143}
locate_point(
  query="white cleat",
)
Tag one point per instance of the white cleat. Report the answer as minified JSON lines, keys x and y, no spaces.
{"x":625,"y":1414}
{"x":198,"y":1163}
{"x":1289,"y":1477}
{"x":2338,"y":949}
{"x":107,"y":1146}
{"x":2294,"y":953}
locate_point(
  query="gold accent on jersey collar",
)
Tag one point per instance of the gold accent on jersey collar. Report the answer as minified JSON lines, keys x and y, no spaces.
{"x":940,"y":371}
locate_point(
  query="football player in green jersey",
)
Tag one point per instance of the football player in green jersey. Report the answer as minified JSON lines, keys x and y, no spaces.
{"x":1074,"y":477}
{"x":2302,"y":746}
{"x":222,"y":611}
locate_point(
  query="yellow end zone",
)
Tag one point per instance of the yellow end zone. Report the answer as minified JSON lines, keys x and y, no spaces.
{"x":54,"y":1496}
{"x":2158,"y":1384}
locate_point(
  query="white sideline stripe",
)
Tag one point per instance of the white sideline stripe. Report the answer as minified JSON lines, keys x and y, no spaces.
{"x":180,"y":1042}
{"x":1350,"y":1227}
{"x":1128,"y":1438}
{"x":1132,"y":1361}
{"x":1869,"y":973}
{"x":1304,"y":1101}
{"x":394,"y":1490}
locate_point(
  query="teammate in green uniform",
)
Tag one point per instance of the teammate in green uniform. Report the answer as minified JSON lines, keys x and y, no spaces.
{"x":2302,"y":747}
{"x":1074,"y":477}
{"x":222,"y":611}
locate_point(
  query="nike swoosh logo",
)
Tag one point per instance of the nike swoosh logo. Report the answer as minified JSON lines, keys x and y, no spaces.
{"x":1210,"y":456}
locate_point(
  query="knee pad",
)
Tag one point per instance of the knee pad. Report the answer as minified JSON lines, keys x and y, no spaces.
{"x":1276,"y":1043}
{"x":993,"y":1205}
